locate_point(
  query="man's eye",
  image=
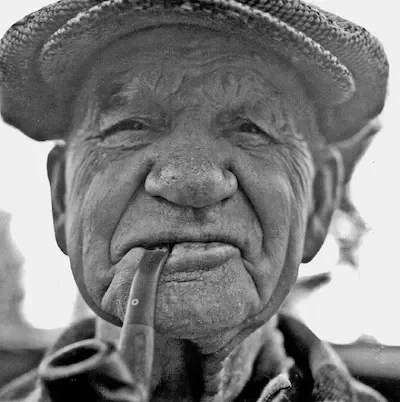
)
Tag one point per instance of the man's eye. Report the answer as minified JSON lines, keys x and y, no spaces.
{"x":250,"y":127}
{"x":125,"y":125}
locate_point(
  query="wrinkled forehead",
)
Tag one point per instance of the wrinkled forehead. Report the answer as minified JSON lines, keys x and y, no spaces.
{"x":158,"y":60}
{"x":193,"y":49}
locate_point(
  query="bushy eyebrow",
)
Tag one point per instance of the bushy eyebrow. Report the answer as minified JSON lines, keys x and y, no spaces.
{"x":249,"y":96}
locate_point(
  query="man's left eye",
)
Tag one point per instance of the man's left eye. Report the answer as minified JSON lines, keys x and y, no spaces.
{"x":125,"y":125}
{"x":250,"y":127}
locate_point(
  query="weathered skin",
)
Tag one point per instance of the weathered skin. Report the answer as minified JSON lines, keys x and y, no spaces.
{"x":186,"y":136}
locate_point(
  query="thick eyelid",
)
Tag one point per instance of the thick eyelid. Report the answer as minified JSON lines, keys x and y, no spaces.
{"x":245,"y":120}
{"x":248,"y":121}
{"x":124,"y":125}
{"x":267,"y":132}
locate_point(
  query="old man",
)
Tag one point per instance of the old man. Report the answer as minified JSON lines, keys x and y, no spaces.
{"x":214,"y":130}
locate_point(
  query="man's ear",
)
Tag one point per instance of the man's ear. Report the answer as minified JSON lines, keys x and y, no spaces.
{"x":56,"y":175}
{"x":327,"y":189}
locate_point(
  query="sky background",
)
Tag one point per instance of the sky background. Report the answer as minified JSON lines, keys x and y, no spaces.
{"x":356,"y":302}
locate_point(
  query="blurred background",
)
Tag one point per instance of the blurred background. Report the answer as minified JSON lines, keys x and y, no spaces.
{"x":362,"y":302}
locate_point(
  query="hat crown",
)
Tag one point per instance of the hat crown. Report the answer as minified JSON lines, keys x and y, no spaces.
{"x":42,"y":56}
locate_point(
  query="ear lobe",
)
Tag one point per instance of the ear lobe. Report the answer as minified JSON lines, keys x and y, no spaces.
{"x":56,"y":176}
{"x":328,"y":188}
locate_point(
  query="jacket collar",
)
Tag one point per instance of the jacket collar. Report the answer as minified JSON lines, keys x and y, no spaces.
{"x":316,"y":373}
{"x":323,"y":375}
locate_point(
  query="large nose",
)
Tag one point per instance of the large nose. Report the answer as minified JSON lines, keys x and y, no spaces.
{"x":192,"y":176}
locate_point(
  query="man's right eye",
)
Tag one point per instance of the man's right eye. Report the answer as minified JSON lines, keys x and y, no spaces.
{"x":125,"y":125}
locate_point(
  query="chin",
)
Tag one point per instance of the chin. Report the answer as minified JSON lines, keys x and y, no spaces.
{"x":217,"y":301}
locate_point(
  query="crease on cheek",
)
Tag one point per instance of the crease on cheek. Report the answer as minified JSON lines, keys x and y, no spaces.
{"x":271,"y":204}
{"x":298,"y":164}
{"x":296,"y":224}
{"x":276,"y":235}
{"x":95,"y":255}
{"x":273,"y":209}
{"x":141,"y":168}
{"x":94,"y":232}
{"x":274,"y":292}
{"x":97,"y":220}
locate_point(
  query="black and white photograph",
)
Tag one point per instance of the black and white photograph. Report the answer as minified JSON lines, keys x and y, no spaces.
{"x":199,"y":201}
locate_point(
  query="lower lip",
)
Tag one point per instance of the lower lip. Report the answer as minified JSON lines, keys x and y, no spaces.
{"x":193,"y":256}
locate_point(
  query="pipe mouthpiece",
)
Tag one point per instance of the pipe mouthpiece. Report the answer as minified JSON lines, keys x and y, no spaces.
{"x":143,"y":294}
{"x":136,"y":343}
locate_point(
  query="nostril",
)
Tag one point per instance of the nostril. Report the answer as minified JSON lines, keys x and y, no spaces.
{"x":195,"y":186}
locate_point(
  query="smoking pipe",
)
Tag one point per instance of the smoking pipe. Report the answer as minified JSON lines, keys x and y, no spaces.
{"x":136,"y":343}
{"x":94,"y":370}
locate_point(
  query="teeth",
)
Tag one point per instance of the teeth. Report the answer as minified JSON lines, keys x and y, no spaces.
{"x":184,"y":246}
{"x":169,"y":246}
{"x":193,"y":247}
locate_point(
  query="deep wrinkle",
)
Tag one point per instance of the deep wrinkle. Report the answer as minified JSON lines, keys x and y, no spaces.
{"x":211,"y":143}
{"x":197,"y":132}
{"x":153,"y":80}
{"x":226,"y":144}
{"x":261,"y":103}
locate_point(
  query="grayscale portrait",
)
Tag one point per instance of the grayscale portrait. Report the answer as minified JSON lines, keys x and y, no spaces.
{"x":201,"y":155}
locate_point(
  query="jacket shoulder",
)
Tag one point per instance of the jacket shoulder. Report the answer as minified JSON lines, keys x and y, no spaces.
{"x":27,"y":388}
{"x":326,"y":375}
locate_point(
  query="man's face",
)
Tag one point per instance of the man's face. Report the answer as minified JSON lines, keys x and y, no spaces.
{"x":189,"y":138}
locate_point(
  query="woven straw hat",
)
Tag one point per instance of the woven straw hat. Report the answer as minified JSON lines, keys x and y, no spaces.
{"x":42,"y":57}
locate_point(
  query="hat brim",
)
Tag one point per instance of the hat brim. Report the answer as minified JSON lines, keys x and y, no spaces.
{"x":43,"y":58}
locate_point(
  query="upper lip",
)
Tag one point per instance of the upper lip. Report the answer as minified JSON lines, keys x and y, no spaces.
{"x":170,"y":239}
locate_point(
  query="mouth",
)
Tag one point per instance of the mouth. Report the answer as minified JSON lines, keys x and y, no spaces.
{"x":206,"y":247}
{"x":194,"y":257}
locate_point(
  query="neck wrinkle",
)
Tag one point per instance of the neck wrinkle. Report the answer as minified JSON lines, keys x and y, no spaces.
{"x":259,"y":358}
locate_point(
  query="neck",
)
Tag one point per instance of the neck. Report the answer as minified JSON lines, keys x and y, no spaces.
{"x":181,"y":368}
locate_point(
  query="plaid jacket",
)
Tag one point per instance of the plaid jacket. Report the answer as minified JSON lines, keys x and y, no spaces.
{"x":318,"y":375}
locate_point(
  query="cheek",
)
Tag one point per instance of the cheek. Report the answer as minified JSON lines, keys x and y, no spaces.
{"x":284,"y":215}
{"x":268,"y":189}
{"x":96,"y":203}
{"x":281,"y":205}
{"x":285,"y":191}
